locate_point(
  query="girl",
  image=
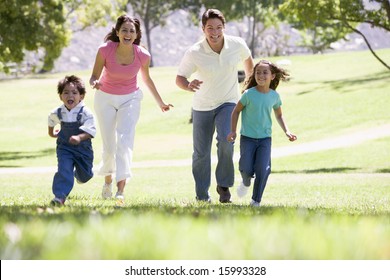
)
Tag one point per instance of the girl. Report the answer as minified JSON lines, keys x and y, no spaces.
{"x":118,"y":98}
{"x":256,"y":104}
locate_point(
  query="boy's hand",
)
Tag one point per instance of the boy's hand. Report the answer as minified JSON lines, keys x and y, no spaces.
{"x":74,"y":140}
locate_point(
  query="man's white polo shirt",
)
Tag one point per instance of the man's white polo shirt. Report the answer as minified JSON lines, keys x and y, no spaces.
{"x":217,"y":71}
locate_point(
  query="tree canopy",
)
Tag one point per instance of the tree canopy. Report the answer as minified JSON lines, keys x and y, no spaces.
{"x":335,"y":19}
{"x":47,"y":25}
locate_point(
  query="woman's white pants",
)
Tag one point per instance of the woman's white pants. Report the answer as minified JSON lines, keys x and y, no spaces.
{"x":117,"y":117}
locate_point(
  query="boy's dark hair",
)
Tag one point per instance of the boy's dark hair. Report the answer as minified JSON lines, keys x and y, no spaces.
{"x":212,"y":13}
{"x":71,"y":80}
{"x":280,"y":74}
{"x":111,"y":36}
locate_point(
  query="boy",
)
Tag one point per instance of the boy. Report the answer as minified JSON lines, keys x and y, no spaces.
{"x":74,"y":147}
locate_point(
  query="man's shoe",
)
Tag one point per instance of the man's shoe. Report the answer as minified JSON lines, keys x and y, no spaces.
{"x":224,"y":194}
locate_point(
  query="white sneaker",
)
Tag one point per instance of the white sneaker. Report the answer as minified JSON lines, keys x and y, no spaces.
{"x":120,"y":196}
{"x":242,"y":190}
{"x":255,"y":203}
{"x":107,"y":191}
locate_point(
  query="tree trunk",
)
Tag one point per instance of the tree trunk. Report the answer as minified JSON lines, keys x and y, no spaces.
{"x":368,"y":45}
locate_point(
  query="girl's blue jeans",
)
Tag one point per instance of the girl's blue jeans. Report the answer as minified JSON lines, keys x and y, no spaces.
{"x":255,"y":161}
{"x":204,"y":125}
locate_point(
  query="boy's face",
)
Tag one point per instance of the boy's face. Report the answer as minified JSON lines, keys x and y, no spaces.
{"x":71,"y":96}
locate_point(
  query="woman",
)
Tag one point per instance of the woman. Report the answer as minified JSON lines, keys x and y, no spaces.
{"x":118,"y":97}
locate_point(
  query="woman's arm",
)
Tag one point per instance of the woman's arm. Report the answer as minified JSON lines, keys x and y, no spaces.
{"x":97,"y":71}
{"x":151,"y":86}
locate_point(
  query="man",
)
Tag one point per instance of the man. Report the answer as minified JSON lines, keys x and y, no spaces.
{"x":215,"y":60}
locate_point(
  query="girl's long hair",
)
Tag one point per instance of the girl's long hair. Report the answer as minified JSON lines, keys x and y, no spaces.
{"x":280,"y":74}
{"x":111,"y":36}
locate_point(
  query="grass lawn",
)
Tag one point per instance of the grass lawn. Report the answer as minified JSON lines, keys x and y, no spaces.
{"x":332,"y":204}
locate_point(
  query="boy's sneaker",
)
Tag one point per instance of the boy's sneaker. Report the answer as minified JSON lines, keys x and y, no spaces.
{"x":57,"y":201}
{"x":254,"y":203}
{"x":120,"y":196}
{"x":242,"y":190}
{"x":107,"y":191}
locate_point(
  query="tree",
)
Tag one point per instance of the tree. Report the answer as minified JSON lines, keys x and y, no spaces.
{"x":33,"y":25}
{"x":260,"y":14}
{"x":154,"y":13}
{"x":342,"y":15}
{"x":30,"y":25}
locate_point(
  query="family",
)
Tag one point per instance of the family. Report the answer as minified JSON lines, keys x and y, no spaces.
{"x":216,"y":108}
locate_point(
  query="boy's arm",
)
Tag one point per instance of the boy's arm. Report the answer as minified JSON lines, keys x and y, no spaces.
{"x":77,"y":139}
{"x":51,"y":132}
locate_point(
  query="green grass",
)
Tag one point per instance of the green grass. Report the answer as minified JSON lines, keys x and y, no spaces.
{"x":332,"y":204}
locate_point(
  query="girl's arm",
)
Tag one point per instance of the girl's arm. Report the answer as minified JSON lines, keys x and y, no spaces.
{"x":234,"y":120}
{"x":283,"y":125}
{"x":150,"y":84}
{"x":97,"y":71}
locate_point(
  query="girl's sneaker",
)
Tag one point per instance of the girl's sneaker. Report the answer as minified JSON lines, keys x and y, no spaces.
{"x":57,"y":201}
{"x":107,"y":191}
{"x":242,"y":190}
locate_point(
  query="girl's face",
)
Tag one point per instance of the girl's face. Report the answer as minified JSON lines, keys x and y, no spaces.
{"x":213,"y":31}
{"x":263,"y":75}
{"x":127,"y":33}
{"x":71,"y":96}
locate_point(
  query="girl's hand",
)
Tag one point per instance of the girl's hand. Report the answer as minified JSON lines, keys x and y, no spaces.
{"x":291,"y":136}
{"x":231,"y":137}
{"x":165,"y":107}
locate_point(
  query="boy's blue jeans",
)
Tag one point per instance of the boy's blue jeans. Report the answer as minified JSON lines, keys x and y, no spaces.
{"x":204,"y":125}
{"x":255,"y":160}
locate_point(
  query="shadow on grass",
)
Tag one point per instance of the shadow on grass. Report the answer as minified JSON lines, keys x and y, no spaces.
{"x":344,"y":85}
{"x":320,"y":170}
{"x":384,"y":170}
{"x":10,"y":156}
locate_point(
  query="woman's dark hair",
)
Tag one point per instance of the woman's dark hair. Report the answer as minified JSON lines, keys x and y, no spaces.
{"x":280,"y":74}
{"x":71,"y":80}
{"x":212,"y":13}
{"x":122,"y":19}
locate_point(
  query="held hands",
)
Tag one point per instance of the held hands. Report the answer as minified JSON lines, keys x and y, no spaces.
{"x":231,"y":137}
{"x":194,"y":85}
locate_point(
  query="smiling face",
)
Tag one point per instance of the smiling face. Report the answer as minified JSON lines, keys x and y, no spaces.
{"x":71,"y":96}
{"x":127,"y":33}
{"x":213,"y":30}
{"x":263,"y":75}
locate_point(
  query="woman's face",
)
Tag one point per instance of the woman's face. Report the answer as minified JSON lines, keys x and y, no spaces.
{"x":127,"y":33}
